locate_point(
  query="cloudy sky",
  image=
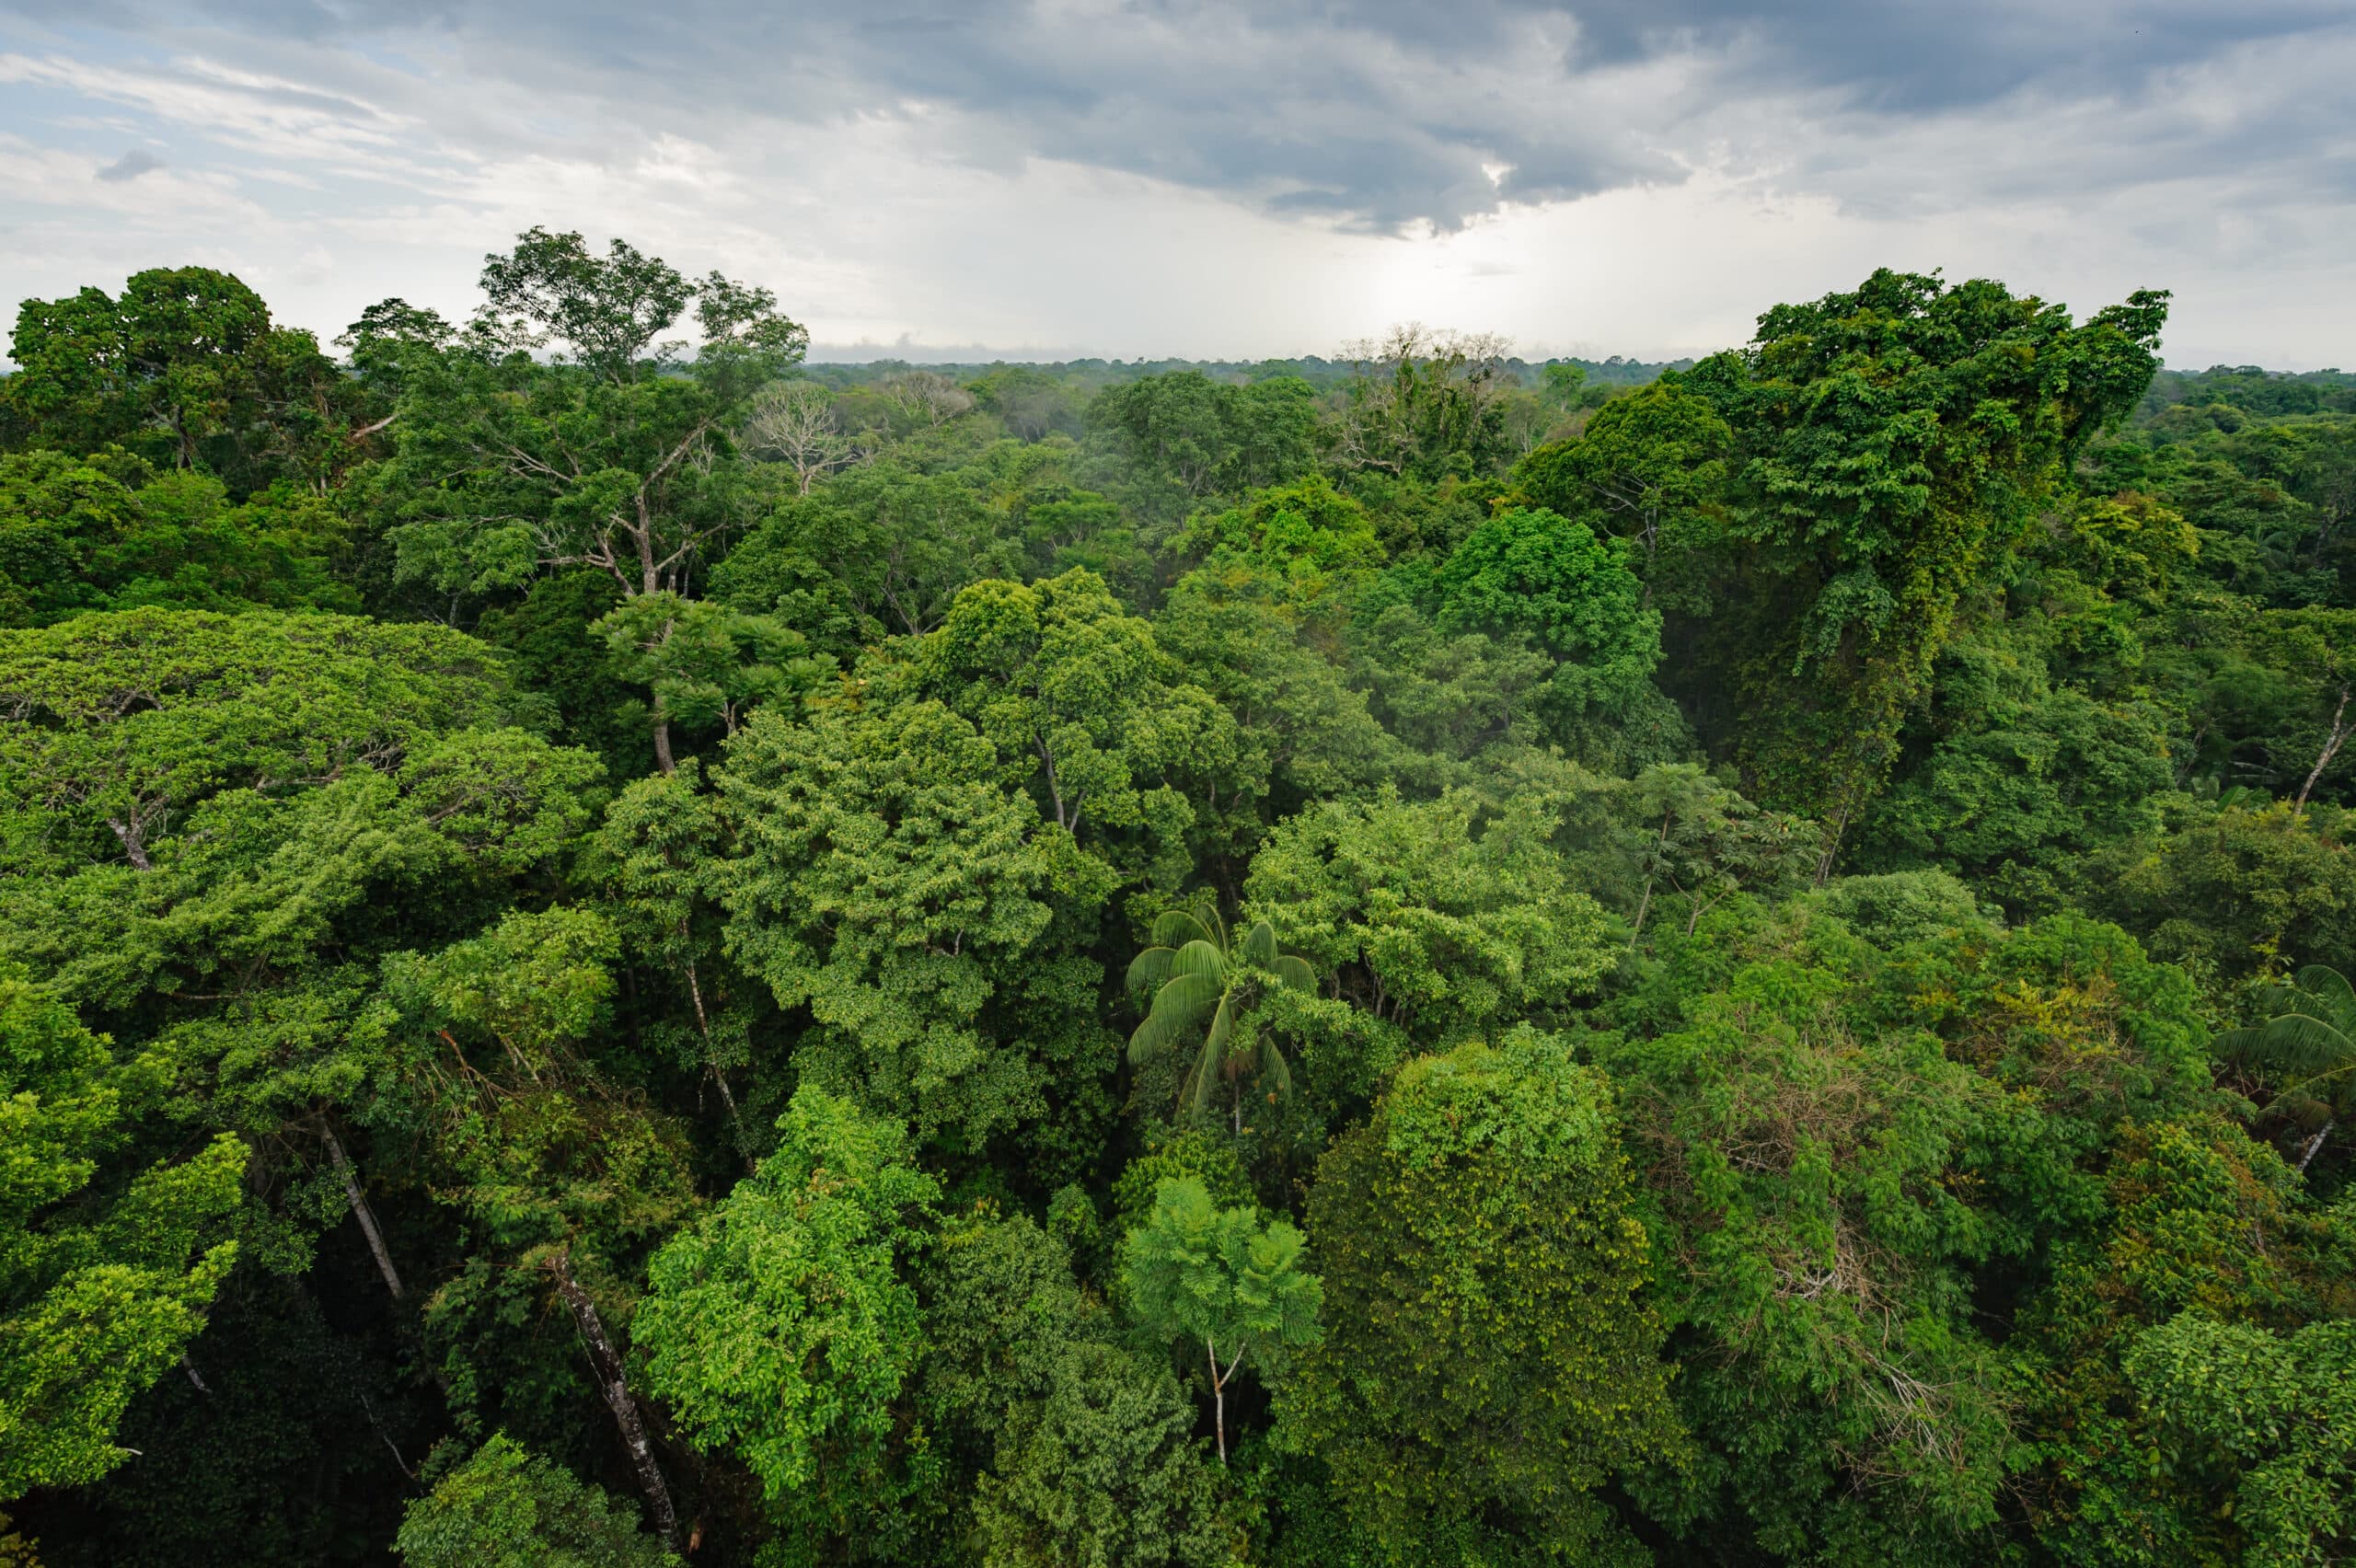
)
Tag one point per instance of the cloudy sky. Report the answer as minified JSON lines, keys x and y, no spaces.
{"x":1043,"y":177}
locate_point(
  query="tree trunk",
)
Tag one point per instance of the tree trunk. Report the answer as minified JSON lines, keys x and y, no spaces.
{"x":662,"y":720}
{"x":1832,"y":846}
{"x":1644,"y":904}
{"x":1219,"y":1399}
{"x":2315,"y":1144}
{"x":611,"y":1382}
{"x":361,"y":1211}
{"x":2332,"y":743}
{"x":711,"y":1062}
{"x":133,"y":839}
{"x":650,"y":579}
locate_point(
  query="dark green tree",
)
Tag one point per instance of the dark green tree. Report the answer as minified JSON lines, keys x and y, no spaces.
{"x":2308,"y":1038}
{"x":506,"y":1509}
{"x":108,"y":1259}
{"x":184,"y":364}
{"x":1488,"y":1364}
{"x":508,"y":466}
{"x":1890,"y":445}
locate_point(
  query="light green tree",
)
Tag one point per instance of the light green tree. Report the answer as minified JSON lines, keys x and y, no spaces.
{"x":1224,"y":1277}
{"x":706,"y":664}
{"x":1700,"y":841}
{"x":2267,"y":1419}
{"x":1083,"y":708}
{"x":781,"y":1326}
{"x":107,"y":1264}
{"x":889,"y":878}
{"x":1428,"y":917}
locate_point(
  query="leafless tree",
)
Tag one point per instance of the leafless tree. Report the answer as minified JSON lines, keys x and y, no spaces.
{"x":927,"y":396}
{"x":1419,"y":392}
{"x":793,"y":422}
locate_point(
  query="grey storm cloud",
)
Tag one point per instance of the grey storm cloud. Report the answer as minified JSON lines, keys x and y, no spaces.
{"x":131,"y":165}
{"x":1380,"y":113}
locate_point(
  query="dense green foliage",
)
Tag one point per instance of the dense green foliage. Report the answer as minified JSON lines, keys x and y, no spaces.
{"x":502,"y":1508}
{"x":1744,"y":962}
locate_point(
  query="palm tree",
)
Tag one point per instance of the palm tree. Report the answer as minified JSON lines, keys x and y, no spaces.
{"x":1203,"y":989}
{"x":2312,"y":1040}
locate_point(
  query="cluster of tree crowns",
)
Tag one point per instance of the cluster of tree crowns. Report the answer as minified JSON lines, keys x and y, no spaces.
{"x":618,"y":957}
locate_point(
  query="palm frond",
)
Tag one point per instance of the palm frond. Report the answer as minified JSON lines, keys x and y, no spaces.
{"x":1294,"y":971}
{"x":1203,"y":959}
{"x":1206,"y":1065}
{"x":2332,"y":988}
{"x":2239,"y":1043}
{"x":2304,"y":1045}
{"x":1176,"y":927}
{"x":1151,"y":968}
{"x":1177,"y":1011}
{"x":1195,"y":1093}
{"x":1274,"y":1067}
{"x":2281,"y":997}
{"x":1222,"y":1025}
{"x":1260,"y":944}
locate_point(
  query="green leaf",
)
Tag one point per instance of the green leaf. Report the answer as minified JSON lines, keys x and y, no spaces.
{"x":1203,"y":959}
{"x":1176,"y":927}
{"x":1177,"y":1009}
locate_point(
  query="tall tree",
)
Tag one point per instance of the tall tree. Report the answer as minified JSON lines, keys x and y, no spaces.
{"x":607,"y":460}
{"x":1423,"y":404}
{"x":1889,"y":443}
{"x":184,"y":362}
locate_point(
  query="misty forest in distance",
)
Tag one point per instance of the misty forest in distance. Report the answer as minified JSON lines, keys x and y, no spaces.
{"x":619,"y":949}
